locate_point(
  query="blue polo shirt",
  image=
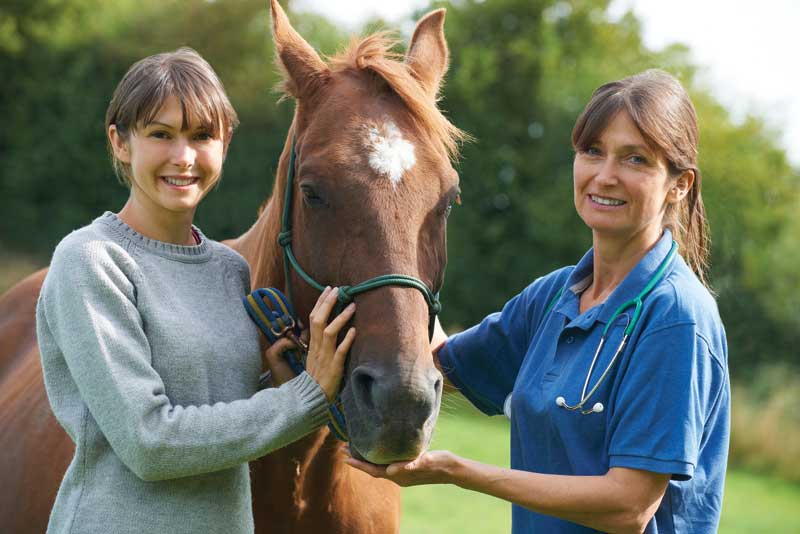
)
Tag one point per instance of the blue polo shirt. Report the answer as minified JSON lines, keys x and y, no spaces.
{"x":666,"y":399}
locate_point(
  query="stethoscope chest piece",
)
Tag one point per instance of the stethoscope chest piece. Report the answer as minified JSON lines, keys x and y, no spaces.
{"x":562,"y":403}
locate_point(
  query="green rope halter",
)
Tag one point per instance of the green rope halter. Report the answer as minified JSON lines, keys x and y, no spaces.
{"x":346,"y":293}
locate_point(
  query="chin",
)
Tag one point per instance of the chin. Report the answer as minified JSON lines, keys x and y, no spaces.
{"x":181,"y":207}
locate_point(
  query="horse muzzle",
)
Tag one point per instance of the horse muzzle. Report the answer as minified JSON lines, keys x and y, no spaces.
{"x":391,"y":413}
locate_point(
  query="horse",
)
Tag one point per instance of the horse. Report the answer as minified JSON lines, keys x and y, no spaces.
{"x":372,"y":155}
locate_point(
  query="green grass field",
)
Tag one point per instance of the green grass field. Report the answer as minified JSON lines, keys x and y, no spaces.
{"x":753,"y":503}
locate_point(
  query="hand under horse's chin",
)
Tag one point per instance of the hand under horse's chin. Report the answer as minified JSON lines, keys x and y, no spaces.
{"x":355,"y":453}
{"x":358,"y":456}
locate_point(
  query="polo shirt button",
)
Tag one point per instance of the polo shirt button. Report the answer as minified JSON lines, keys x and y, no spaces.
{"x":570,"y":339}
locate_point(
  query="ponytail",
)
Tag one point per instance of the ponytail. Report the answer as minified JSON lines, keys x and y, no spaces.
{"x":689,"y":227}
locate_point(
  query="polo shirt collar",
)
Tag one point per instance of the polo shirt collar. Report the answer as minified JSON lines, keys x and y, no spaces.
{"x":631,"y":286}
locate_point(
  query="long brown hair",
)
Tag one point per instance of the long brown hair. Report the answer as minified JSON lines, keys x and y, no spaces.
{"x":150,"y":81}
{"x":661,"y":109}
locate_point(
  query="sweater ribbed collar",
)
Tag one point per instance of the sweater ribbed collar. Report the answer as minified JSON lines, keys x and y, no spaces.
{"x":189,"y":254}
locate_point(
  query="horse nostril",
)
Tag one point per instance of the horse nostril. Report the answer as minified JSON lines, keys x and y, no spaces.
{"x":435,"y":378}
{"x":437,"y":386}
{"x":364,"y":388}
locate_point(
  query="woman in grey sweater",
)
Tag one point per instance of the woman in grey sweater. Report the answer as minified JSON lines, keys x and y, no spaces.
{"x":150,"y":361}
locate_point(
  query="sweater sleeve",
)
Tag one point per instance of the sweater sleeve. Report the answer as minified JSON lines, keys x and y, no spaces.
{"x":88,"y":307}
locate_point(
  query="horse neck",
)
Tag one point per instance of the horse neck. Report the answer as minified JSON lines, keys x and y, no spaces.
{"x":259,"y":245}
{"x":302,"y":472}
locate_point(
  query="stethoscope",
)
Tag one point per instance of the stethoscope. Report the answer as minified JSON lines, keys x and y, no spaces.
{"x":632,"y":321}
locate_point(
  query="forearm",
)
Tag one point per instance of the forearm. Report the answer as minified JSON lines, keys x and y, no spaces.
{"x":178,"y":441}
{"x":609,"y":503}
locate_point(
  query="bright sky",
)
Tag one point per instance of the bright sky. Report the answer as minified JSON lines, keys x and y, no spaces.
{"x":749,"y":50}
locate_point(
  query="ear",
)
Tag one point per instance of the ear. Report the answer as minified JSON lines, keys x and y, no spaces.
{"x":683,"y":184}
{"x":305,"y":71}
{"x":119,"y":144}
{"x":427,"y":54}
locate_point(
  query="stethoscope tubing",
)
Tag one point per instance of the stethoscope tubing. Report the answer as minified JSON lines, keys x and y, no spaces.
{"x":629,"y":327}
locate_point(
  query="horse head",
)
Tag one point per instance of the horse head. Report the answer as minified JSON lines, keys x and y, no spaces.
{"x":373,"y":185}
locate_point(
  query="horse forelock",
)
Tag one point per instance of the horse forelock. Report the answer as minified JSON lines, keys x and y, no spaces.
{"x":375,"y":55}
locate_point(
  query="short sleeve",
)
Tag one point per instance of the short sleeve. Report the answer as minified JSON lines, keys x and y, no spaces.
{"x":483,"y":362}
{"x":672,"y":386}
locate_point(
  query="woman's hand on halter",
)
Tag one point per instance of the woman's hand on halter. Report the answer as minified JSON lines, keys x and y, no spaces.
{"x":325,"y":361}
{"x":274,"y":361}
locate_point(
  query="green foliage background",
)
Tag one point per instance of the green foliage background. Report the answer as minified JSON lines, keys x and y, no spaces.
{"x":521,"y":71}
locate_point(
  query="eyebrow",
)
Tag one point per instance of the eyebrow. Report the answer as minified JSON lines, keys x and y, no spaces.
{"x":172,"y":127}
{"x":157,"y":123}
{"x":642,"y":148}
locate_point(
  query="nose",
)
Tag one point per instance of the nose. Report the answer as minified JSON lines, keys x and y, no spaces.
{"x":402,"y":400}
{"x":183,"y":154}
{"x":607,"y":172}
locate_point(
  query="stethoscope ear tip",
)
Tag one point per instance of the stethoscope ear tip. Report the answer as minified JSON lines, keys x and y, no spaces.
{"x":598,"y":407}
{"x":560,"y":401}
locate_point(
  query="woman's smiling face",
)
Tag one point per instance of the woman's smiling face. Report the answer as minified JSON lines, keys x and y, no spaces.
{"x":622,"y":186}
{"x":171,"y":168}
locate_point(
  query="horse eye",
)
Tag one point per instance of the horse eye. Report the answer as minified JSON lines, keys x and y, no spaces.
{"x":311,"y":197}
{"x":449,"y":208}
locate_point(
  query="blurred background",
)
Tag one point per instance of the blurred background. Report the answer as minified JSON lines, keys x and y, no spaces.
{"x":521,"y":71}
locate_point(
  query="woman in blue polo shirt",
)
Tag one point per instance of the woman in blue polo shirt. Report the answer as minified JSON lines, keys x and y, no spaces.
{"x":614,"y":371}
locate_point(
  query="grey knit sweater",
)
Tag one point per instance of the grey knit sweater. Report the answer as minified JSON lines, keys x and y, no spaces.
{"x":151,"y":365}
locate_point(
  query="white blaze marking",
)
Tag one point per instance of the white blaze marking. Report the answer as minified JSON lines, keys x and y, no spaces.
{"x":390,"y":155}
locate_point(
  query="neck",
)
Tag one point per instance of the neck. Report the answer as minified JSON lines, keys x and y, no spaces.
{"x":614,"y":258}
{"x":159,"y":224}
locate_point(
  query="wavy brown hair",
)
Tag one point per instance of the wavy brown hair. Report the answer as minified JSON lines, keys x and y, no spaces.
{"x":661,"y":109}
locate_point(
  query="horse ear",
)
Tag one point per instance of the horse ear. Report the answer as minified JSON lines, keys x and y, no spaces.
{"x":305,"y":70}
{"x":428,"y":55}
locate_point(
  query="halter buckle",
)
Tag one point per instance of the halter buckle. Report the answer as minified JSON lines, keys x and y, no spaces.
{"x":289,"y":323}
{"x":302,"y":346}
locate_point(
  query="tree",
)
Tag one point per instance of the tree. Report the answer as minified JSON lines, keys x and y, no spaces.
{"x":66,"y":59}
{"x":521,"y":72}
